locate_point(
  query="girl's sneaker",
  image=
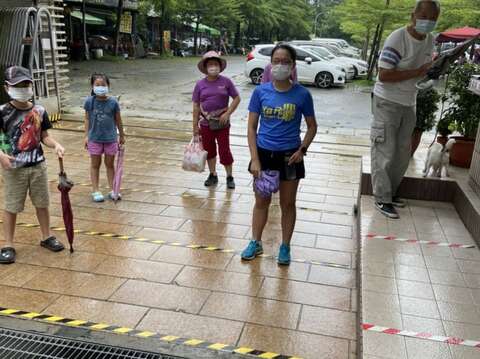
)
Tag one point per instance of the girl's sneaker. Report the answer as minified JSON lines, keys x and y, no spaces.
{"x":112,"y":196}
{"x":98,"y":197}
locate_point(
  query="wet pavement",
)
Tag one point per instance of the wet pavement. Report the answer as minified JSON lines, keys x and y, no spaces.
{"x":165,"y":258}
{"x":176,"y":289}
{"x":155,"y":89}
{"x":430,"y":292}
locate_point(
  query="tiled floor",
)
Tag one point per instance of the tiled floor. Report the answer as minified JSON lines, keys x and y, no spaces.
{"x":420,"y":288}
{"x":305,"y":310}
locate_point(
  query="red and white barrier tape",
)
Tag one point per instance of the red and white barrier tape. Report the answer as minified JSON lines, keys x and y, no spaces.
{"x":421,"y":335}
{"x":430,"y":243}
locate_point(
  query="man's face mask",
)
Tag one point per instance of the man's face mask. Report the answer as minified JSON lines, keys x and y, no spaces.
{"x":425,"y":26}
{"x":20,"y":94}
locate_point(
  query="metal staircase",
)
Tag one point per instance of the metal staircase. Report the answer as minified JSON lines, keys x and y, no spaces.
{"x":35,"y":38}
{"x":60,"y":51}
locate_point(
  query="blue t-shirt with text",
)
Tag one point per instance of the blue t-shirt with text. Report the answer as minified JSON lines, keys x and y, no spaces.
{"x":102,"y":126}
{"x":280,"y":115}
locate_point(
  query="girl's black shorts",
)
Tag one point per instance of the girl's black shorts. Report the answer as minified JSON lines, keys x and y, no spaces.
{"x":278,"y":161}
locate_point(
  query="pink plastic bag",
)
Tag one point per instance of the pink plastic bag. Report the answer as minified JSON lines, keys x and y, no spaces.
{"x":194,"y":157}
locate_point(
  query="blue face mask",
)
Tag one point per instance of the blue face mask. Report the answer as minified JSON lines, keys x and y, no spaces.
{"x":100,"y":90}
{"x":425,"y":26}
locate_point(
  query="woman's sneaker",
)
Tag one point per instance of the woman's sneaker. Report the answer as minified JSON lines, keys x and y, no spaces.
{"x":387,"y":209}
{"x":253,"y":249}
{"x":212,"y":180}
{"x":284,"y":255}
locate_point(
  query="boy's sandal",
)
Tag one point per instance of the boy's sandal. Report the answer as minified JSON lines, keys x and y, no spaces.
{"x":7,"y":255}
{"x":98,"y":197}
{"x":52,"y":244}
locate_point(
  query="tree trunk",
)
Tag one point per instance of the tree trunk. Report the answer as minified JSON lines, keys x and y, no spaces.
{"x":195,"y":36}
{"x":117,"y":27}
{"x":374,"y":58}
{"x":366,"y":44}
{"x":84,"y":29}
{"x":237,"y":41}
{"x":374,"y":44}
{"x":162,"y":27}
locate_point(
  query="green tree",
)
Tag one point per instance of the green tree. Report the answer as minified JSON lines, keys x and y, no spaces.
{"x":371,"y":21}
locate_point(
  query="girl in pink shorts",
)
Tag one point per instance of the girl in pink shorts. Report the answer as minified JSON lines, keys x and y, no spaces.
{"x":103,"y":132}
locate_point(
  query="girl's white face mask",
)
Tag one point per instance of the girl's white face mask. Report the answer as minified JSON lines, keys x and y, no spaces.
{"x":100,"y":90}
{"x":20,"y":94}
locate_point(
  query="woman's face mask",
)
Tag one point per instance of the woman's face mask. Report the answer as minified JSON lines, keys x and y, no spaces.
{"x":100,"y":90}
{"x":213,"y":70}
{"x":281,"y":72}
{"x":20,"y":94}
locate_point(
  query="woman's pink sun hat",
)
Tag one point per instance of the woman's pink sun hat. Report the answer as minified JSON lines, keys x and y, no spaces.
{"x":202,"y":65}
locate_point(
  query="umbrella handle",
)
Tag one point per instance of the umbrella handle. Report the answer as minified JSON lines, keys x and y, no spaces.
{"x":60,"y":162}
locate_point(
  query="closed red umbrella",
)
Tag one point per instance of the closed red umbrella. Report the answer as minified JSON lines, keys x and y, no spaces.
{"x":64,"y":186}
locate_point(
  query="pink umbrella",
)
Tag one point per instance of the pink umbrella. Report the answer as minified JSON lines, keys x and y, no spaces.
{"x":117,"y":180}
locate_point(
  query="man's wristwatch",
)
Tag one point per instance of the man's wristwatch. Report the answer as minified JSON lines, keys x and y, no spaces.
{"x":304,"y":150}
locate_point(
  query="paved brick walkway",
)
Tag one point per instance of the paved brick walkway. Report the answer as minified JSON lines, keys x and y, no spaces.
{"x":307,"y":310}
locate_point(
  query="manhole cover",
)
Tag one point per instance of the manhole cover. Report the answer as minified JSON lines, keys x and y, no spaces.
{"x":24,"y":345}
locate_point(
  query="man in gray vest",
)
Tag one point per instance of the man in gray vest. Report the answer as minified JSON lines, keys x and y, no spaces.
{"x":406,"y":57}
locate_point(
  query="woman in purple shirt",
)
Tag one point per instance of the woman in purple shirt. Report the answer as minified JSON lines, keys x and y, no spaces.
{"x":211,"y":115}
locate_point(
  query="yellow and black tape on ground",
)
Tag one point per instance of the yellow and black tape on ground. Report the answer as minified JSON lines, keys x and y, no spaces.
{"x":201,"y":247}
{"x":197,"y":343}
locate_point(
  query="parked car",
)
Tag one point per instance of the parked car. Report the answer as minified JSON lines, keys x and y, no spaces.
{"x":338,"y":48}
{"x":188,"y":43}
{"x":347,"y":66}
{"x":341,"y":44}
{"x":360,"y":67}
{"x":310,"y":68}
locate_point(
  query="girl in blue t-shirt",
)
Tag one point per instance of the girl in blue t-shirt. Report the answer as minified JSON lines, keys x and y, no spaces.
{"x":276,"y":145}
{"x":103,"y":125}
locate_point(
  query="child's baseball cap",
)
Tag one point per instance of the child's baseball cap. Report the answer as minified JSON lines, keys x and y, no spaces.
{"x":17,"y":74}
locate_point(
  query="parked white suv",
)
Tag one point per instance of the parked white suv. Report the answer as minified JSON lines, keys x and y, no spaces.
{"x":360,"y":67}
{"x":310,"y":68}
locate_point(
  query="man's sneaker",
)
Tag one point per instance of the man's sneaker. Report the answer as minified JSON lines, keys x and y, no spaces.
{"x":253,"y":249}
{"x":212,"y":180}
{"x":398,"y":202}
{"x":387,"y":210}
{"x":230,"y":182}
{"x":284,"y":255}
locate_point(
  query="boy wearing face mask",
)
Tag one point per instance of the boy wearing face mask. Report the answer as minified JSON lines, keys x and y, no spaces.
{"x":211,"y":115}
{"x":404,"y":60}
{"x":24,"y":127}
